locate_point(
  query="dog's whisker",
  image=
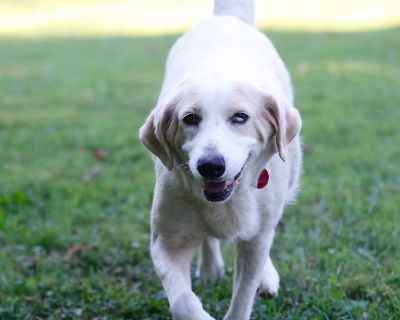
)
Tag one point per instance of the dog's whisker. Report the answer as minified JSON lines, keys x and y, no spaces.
{"x":184,"y":166}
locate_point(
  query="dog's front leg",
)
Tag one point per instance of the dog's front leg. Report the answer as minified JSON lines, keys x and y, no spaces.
{"x":172,"y":265}
{"x":250,"y":260}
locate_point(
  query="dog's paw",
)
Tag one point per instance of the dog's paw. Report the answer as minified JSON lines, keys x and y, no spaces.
{"x":269,"y":284}
{"x":189,"y":307}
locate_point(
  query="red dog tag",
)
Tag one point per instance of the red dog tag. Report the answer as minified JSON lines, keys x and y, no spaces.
{"x":263,"y":179}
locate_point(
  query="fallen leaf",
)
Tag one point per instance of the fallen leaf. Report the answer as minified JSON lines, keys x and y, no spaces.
{"x":100,"y":154}
{"x":303,"y":68}
{"x":73,"y":252}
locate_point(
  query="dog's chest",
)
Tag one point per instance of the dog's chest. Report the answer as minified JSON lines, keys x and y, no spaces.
{"x":234,"y":220}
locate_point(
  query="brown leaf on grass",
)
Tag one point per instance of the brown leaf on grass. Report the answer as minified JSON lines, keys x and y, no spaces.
{"x":74,"y":251}
{"x":303,"y":68}
{"x":100,"y":154}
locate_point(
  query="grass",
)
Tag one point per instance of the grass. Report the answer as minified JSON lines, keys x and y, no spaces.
{"x":77,"y":17}
{"x":74,"y":226}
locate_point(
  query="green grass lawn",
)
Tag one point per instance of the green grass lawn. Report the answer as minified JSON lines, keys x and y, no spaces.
{"x":74,"y":231}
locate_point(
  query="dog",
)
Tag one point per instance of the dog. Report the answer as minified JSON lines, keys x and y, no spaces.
{"x":224,"y":136}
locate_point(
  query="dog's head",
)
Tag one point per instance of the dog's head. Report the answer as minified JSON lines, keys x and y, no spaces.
{"x":211,"y":132}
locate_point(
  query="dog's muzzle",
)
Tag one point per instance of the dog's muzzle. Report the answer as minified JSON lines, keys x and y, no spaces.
{"x":221,"y":190}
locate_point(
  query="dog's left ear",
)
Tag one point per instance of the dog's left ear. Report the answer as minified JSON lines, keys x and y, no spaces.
{"x":158,"y":132}
{"x":286,"y":121}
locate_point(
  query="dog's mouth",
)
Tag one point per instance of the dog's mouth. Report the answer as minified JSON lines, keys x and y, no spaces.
{"x":216,"y":191}
{"x":221,"y":190}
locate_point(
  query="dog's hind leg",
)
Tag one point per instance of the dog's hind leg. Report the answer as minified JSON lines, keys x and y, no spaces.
{"x":211,"y":263}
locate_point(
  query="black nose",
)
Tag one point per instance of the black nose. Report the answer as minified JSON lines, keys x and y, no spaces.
{"x":211,"y":167}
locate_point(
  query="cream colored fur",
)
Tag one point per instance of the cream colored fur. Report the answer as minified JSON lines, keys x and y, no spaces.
{"x":221,"y":67}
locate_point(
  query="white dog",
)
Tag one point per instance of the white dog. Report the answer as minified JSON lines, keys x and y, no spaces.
{"x":223,"y":124}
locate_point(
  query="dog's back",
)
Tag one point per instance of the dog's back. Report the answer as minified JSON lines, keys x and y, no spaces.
{"x":229,"y":44}
{"x":242,"y":9}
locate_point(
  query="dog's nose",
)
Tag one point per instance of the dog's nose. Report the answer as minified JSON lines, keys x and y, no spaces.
{"x":211,"y":167}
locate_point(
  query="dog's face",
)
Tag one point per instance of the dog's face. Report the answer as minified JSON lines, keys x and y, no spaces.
{"x":211,"y":132}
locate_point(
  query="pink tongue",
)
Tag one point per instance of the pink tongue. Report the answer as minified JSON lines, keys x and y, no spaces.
{"x":215,"y":187}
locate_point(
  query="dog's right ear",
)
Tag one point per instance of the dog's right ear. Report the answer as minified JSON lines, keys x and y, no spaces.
{"x":157,"y":133}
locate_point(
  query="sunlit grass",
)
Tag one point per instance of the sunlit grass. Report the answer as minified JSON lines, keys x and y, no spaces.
{"x":355,"y":67}
{"x":134,"y":17}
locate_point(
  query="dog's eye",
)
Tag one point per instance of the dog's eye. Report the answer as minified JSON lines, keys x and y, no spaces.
{"x":239,"y":118}
{"x":191,"y":119}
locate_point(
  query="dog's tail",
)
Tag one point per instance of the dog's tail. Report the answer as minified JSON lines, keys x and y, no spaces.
{"x":242,"y":9}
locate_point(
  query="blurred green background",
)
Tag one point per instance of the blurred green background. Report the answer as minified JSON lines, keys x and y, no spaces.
{"x":77,"y":79}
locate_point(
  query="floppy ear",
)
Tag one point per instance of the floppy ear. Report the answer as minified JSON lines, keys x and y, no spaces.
{"x":286,"y":121}
{"x":157,"y":133}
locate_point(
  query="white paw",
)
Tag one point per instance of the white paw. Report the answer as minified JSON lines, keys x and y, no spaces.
{"x":269,"y":284}
{"x":188,"y":307}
